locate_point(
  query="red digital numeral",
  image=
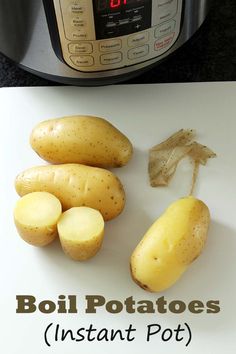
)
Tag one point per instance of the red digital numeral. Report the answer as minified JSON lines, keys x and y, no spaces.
{"x":114,"y":3}
{"x":117,"y":3}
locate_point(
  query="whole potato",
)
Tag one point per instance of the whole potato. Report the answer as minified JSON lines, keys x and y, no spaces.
{"x":76,"y":185}
{"x":81,"y":139}
{"x":171,"y":244}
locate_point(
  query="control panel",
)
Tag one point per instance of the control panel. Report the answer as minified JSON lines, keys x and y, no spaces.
{"x":100,"y":35}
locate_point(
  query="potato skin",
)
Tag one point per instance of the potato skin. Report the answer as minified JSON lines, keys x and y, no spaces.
{"x":82,"y":252}
{"x":174,"y":241}
{"x":76,"y":185}
{"x":35,"y":236}
{"x":85,"y":140}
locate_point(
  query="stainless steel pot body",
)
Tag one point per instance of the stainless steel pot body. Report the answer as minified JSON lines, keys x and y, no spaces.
{"x":72,"y":42}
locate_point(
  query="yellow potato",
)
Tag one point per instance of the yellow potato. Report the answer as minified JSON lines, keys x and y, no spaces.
{"x":36,"y":216}
{"x":170,"y":245}
{"x":81,"y":139}
{"x":81,"y":232}
{"x":76,"y":185}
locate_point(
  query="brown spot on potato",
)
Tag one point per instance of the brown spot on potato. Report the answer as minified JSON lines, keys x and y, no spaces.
{"x":141,"y":285}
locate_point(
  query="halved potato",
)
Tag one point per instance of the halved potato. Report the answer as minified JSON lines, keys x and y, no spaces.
{"x":81,"y":231}
{"x":36,"y":216}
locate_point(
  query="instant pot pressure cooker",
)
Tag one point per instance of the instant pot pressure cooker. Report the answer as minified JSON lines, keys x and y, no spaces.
{"x":92,"y":42}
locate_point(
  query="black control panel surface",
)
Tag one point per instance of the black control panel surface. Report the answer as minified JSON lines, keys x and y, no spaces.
{"x":115,"y":18}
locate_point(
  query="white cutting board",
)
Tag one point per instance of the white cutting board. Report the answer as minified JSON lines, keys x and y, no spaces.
{"x":147,"y":114}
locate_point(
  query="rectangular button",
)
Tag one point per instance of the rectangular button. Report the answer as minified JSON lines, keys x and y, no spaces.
{"x":80,"y":48}
{"x":138,"y":52}
{"x":123,"y":21}
{"x":137,"y":39}
{"x":165,"y":29}
{"x":76,"y":9}
{"x":78,"y":22}
{"x":110,"y":24}
{"x":77,"y":35}
{"x":110,"y":45}
{"x":163,"y":42}
{"x":82,"y":60}
{"x":136,"y":18}
{"x":111,"y":58}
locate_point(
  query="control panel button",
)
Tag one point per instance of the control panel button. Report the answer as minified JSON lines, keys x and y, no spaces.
{"x":166,"y":9}
{"x":137,"y":18}
{"x":111,"y":31}
{"x":76,"y":9}
{"x":138,"y":52}
{"x":78,"y":35}
{"x":165,"y":29}
{"x":78,"y":22}
{"x":110,"y":45}
{"x":138,"y":39}
{"x":164,"y":42}
{"x":110,"y":24}
{"x":82,"y":60}
{"x":123,"y":21}
{"x":136,"y":26}
{"x":75,"y":48}
{"x":112,"y":58}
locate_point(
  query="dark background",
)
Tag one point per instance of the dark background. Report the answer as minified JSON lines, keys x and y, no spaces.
{"x":209,"y":56}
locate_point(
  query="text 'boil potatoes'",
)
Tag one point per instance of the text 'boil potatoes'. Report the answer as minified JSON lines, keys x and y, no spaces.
{"x":171,"y":244}
{"x":98,"y":303}
{"x":86,"y":140}
{"x":76,"y":185}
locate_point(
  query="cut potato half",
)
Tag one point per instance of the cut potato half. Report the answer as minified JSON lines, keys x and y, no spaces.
{"x":36,"y":216}
{"x":81,"y":231}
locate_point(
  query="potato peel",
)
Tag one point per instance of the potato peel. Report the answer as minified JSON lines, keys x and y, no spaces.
{"x":180,"y":138}
{"x":164,"y":157}
{"x":200,"y":153}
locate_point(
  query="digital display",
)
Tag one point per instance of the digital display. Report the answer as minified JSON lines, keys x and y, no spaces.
{"x":115,"y":18}
{"x":112,"y":4}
